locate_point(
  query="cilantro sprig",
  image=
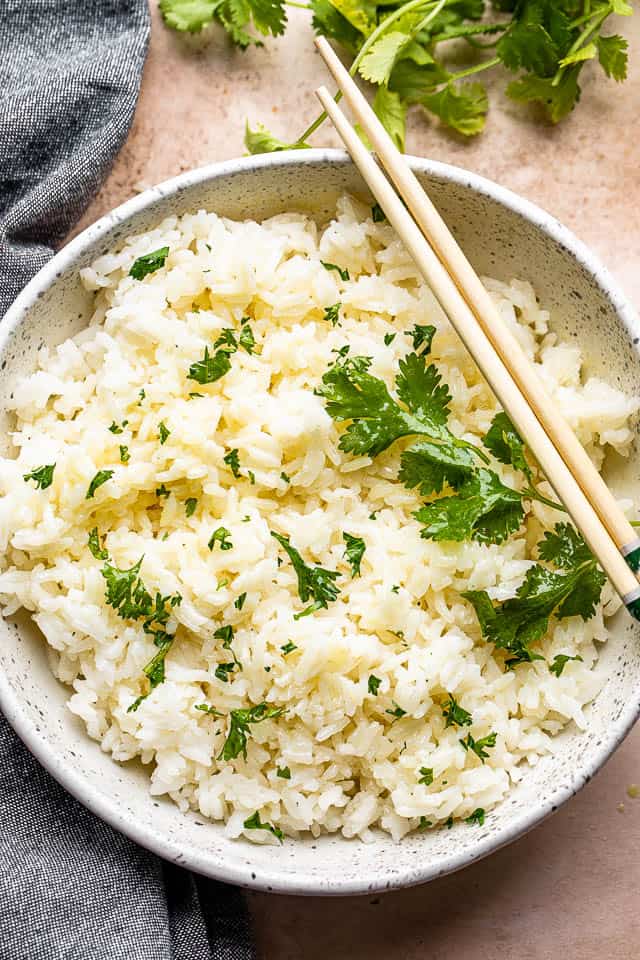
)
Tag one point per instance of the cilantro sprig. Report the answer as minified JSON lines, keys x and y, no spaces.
{"x":573,"y":588}
{"x":314,"y":583}
{"x":240,"y":723}
{"x":402,"y":50}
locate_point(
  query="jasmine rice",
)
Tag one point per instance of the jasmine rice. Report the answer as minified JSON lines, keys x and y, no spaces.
{"x":185,"y":484}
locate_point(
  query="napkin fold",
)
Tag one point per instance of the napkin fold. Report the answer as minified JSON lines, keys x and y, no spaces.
{"x":71,"y":888}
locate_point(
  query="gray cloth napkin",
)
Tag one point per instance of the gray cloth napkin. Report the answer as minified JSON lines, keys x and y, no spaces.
{"x":71,"y":888}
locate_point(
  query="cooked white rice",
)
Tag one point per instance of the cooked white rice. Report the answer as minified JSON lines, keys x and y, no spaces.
{"x":403,"y":620}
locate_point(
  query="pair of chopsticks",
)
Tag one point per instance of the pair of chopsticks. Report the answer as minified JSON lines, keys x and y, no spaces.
{"x":497,"y":353}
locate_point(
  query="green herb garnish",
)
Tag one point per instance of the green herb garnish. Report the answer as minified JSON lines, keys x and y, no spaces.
{"x":373,"y":684}
{"x":239,"y":601}
{"x":43,"y":476}
{"x":559,"y":662}
{"x":355,"y":548}
{"x":210,"y":368}
{"x":343,"y":274}
{"x":288,"y":647}
{"x":95,"y":546}
{"x":232,"y":460}
{"x":220,"y":535}
{"x":479,"y":746}
{"x":190,"y":506}
{"x":476,"y":817}
{"x":255,"y":823}
{"x":314,"y":583}
{"x":240,"y":722}
{"x":125,"y":456}
{"x":454,"y":714}
{"x":101,"y":477}
{"x":426,"y":776}
{"x":149,"y":263}
{"x":284,"y":773}
{"x":332,"y":313}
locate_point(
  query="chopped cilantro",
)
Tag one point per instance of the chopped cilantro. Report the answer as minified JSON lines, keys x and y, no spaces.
{"x":223,"y":670}
{"x":354,"y":552}
{"x":454,"y":714}
{"x":421,"y":336}
{"x":448,"y":823}
{"x":255,"y":823}
{"x":424,"y":823}
{"x":559,"y":662}
{"x":314,"y":583}
{"x":142,"y":394}
{"x":115,"y":428}
{"x":43,"y":476}
{"x":395,"y":588}
{"x":125,"y":456}
{"x":149,"y":263}
{"x":389,"y":338}
{"x":163,"y":491}
{"x":210,"y":368}
{"x":397,"y":711}
{"x":373,"y":684}
{"x":220,"y":535}
{"x":226,"y":341}
{"x":207,"y":708}
{"x":232,"y":460}
{"x":190,"y":506}
{"x":284,"y":773}
{"x":343,"y":274}
{"x":476,"y":817}
{"x":163,"y":432}
{"x":247,"y":340}
{"x":101,"y":477}
{"x":332,"y":313}
{"x":285,"y":476}
{"x":95,"y":547}
{"x":478,"y":746}
{"x":252,"y":477}
{"x":426,"y":776}
{"x":195,"y":396}
{"x":377,"y":213}
{"x":288,"y":647}
{"x":239,"y":601}
{"x":240,"y":722}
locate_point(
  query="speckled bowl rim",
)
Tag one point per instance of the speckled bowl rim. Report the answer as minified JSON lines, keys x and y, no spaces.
{"x":146,"y":835}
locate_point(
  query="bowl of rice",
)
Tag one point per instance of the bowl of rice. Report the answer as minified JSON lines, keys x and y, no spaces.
{"x":255,"y":615}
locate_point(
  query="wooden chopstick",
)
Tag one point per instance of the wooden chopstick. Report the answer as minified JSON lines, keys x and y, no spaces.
{"x":490,"y":364}
{"x":481,"y":304}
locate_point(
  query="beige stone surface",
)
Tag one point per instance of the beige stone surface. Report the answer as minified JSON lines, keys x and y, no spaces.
{"x":570,"y":889}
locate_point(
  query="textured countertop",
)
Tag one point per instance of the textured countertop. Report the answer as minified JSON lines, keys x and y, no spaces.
{"x":571,"y":888}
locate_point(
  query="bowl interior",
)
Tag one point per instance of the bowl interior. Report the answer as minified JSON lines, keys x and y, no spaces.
{"x":503,"y":237}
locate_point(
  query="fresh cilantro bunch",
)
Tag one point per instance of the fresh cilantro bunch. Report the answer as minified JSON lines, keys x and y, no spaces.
{"x":572,"y":589}
{"x":403,"y":49}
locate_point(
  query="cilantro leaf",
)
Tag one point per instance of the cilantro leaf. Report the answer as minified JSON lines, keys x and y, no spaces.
{"x":255,"y":823}
{"x":210,"y":368}
{"x":479,"y":747}
{"x":373,"y":684}
{"x":462,"y":107}
{"x":101,"y":477}
{"x":226,"y":341}
{"x":558,"y":100}
{"x":284,"y":773}
{"x":379,"y":60}
{"x":207,"y":708}
{"x":314,"y":583}
{"x":42,"y":476}
{"x":412,"y":82}
{"x":389,"y":338}
{"x":261,"y":140}
{"x":240,"y":722}
{"x":125,"y":456}
{"x":504,"y":442}
{"x":149,"y":263}
{"x":476,"y":817}
{"x":94,"y":546}
{"x":429,"y":466}
{"x":187,"y":15}
{"x":559,"y":662}
{"x":378,"y":214}
{"x":115,"y":428}
{"x":426,"y":776}
{"x":391,"y":111}
{"x":354,"y":552}
{"x":517,"y":623}
{"x":329,"y":22}
{"x":344,"y":274}
{"x":190,"y":505}
{"x":223,"y":670}
{"x":612,"y":54}
{"x":397,"y":713}
{"x":483,"y":509}
{"x":352,"y":393}
{"x":288,"y":647}
{"x":240,"y":601}
{"x":454,"y":714}
{"x":163,"y":432}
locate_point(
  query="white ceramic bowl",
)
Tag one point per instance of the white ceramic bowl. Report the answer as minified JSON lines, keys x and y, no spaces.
{"x":504,"y":236}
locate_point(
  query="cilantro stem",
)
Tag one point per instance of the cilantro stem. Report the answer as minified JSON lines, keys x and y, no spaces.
{"x":485,"y":65}
{"x":300,"y":6}
{"x":533,"y":494}
{"x":593,"y":24}
{"x":368,"y":43}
